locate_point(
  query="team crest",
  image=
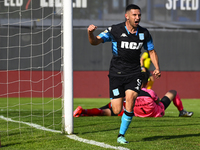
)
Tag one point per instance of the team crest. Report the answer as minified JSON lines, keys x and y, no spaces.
{"x":141,"y":36}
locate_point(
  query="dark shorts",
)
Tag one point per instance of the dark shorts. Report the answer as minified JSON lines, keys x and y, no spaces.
{"x":118,"y":85}
{"x":166,"y":101}
{"x":106,"y":106}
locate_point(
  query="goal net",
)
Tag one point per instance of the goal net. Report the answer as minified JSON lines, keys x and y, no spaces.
{"x":30,"y":65}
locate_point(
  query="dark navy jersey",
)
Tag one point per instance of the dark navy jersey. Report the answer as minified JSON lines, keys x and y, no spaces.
{"x":144,"y":93}
{"x":126,"y":48}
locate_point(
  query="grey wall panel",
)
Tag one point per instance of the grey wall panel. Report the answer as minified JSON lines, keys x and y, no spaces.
{"x":30,"y":49}
{"x":88,"y":57}
{"x":178,"y":50}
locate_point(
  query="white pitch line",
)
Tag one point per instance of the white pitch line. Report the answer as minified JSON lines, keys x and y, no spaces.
{"x":101,"y":144}
{"x":74,"y":137}
{"x":30,"y":124}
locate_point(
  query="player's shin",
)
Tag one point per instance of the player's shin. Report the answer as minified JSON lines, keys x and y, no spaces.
{"x":125,"y":122}
{"x":177,"y":102}
{"x":93,"y":112}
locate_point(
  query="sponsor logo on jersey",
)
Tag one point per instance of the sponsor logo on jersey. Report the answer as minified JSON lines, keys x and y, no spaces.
{"x":139,"y":82}
{"x":106,"y":31}
{"x":137,"y":88}
{"x":141,"y":36}
{"x":109,"y":28}
{"x":124,"y":35}
{"x":131,"y":45}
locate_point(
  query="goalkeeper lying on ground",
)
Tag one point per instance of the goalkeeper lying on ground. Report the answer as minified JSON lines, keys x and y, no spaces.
{"x":147,"y":104}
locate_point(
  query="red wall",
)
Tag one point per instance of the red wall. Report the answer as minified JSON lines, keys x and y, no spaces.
{"x":89,"y":84}
{"x":95,"y":84}
{"x":26,"y":83}
{"x":185,"y":83}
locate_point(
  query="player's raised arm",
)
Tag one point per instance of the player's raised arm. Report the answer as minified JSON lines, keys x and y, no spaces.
{"x":154,"y":59}
{"x":94,"y":40}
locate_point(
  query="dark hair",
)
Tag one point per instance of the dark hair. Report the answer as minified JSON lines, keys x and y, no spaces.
{"x":145,"y":76}
{"x":132,"y":6}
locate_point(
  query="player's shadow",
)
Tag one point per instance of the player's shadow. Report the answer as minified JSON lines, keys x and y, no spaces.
{"x":167,"y":137}
{"x":178,"y":125}
{"x":98,"y":130}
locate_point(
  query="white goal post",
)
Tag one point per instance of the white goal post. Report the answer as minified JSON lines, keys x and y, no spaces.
{"x":68,"y":65}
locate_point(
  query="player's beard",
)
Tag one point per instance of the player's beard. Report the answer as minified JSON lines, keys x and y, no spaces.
{"x":133,"y":24}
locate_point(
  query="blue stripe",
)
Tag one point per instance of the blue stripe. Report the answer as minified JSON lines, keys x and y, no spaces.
{"x":114,"y":48}
{"x":105,"y":36}
{"x":149,"y":45}
{"x":129,"y":32}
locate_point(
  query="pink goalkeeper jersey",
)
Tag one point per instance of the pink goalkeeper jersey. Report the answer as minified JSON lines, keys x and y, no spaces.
{"x":146,"y":106}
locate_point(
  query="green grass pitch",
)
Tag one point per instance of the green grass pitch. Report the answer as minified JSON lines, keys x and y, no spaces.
{"x":166,"y":133}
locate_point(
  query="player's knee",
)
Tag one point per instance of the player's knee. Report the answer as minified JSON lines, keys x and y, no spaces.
{"x":117,"y":111}
{"x":114,"y":113}
{"x":171,"y":94}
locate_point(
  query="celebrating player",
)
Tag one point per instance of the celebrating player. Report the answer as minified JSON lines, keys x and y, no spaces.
{"x":125,"y":72}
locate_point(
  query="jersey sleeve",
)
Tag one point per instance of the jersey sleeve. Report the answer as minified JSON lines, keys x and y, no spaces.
{"x":148,"y":45}
{"x":106,"y":35}
{"x":153,"y":94}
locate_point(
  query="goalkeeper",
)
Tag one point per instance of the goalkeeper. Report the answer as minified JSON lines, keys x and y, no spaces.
{"x":147,"y":104}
